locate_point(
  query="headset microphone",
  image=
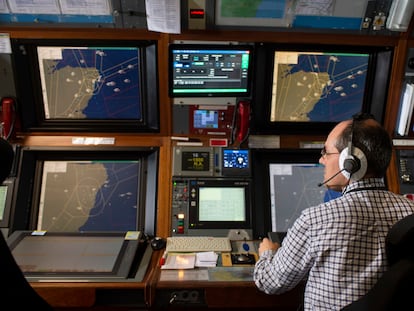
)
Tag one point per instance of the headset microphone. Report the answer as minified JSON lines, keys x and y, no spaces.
{"x":330,"y":178}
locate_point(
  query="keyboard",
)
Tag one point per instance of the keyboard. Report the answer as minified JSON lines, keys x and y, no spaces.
{"x":198,"y":244}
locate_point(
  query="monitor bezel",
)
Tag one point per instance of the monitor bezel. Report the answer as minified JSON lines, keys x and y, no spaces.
{"x":375,"y":97}
{"x":209,"y":47}
{"x":25,"y":210}
{"x":30,"y":104}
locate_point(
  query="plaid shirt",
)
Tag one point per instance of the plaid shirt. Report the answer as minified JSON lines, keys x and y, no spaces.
{"x":337,"y":247}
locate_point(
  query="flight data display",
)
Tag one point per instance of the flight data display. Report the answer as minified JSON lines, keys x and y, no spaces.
{"x":317,"y":87}
{"x":209,"y":71}
{"x":96,"y":83}
{"x":234,"y":158}
{"x":195,"y":161}
{"x":222,"y":204}
{"x":89,"y":196}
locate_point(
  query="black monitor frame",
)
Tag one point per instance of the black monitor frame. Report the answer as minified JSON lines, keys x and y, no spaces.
{"x":30,"y":103}
{"x":375,"y":93}
{"x":25,"y":209}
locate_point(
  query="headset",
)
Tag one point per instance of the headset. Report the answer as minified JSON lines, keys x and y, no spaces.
{"x":352,"y":160}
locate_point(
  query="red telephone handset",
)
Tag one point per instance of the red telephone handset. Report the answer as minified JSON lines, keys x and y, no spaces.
{"x":7,"y":117}
{"x":243,"y":120}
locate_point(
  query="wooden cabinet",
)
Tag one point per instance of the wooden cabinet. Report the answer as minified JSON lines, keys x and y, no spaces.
{"x":82,"y":296}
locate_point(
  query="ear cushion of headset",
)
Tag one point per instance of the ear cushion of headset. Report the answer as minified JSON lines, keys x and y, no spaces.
{"x":357,"y":154}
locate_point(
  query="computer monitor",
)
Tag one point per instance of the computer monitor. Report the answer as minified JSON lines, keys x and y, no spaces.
{"x":87,"y":189}
{"x":210,"y":70}
{"x":87,"y":85}
{"x":217,"y":203}
{"x":298,"y":85}
{"x":285,"y":183}
{"x":211,"y":206}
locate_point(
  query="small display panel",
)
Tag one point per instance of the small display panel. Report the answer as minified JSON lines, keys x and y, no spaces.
{"x":195,"y":161}
{"x":318,"y":86}
{"x":73,"y":255}
{"x":235,"y":162}
{"x":202,"y":70}
{"x":206,"y":119}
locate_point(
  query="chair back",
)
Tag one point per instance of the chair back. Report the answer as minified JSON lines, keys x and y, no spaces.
{"x":395,"y":289}
{"x":399,"y":243}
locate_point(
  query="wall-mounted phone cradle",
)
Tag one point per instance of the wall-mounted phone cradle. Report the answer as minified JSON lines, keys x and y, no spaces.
{"x":7,"y":117}
{"x":241,"y":122}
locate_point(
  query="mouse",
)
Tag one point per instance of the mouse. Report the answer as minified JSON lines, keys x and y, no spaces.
{"x":158,"y":243}
{"x":243,"y":258}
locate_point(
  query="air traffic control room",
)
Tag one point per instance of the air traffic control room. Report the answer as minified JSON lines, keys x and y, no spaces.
{"x":157,"y":143}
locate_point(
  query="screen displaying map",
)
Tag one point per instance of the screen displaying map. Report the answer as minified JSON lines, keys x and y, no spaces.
{"x":317,"y":87}
{"x":89,"y":196}
{"x":93,"y":83}
{"x":294,"y":187}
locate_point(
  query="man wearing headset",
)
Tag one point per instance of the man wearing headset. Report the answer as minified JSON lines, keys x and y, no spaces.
{"x":338,"y":247}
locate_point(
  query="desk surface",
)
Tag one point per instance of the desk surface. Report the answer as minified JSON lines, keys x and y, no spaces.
{"x":217,"y":287}
{"x":88,"y":294}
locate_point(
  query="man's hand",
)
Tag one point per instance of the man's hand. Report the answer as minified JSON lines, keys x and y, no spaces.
{"x":266,"y":244}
